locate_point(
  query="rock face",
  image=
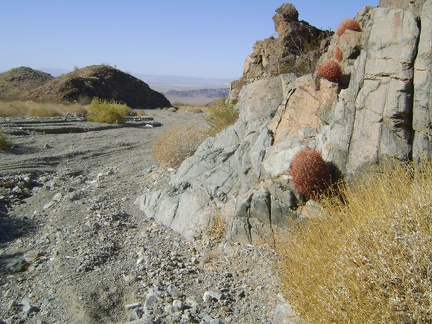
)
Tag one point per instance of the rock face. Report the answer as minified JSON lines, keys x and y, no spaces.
{"x":380,"y":110}
{"x":81,"y":86}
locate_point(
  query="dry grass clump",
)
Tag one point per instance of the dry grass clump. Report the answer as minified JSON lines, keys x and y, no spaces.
{"x":367,"y":259}
{"x":109,"y":112}
{"x":220,"y":116}
{"x":177,"y":143}
{"x":4,"y":142}
{"x":34,"y":109}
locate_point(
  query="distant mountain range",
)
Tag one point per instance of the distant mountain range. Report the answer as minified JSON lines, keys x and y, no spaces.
{"x":164,"y":83}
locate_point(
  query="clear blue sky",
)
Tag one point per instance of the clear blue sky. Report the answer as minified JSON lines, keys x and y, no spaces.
{"x":201,"y":38}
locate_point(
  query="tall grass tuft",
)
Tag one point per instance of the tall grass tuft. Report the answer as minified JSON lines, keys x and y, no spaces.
{"x":177,"y":143}
{"x":220,"y":116}
{"x":366,"y":259}
{"x":109,"y":112}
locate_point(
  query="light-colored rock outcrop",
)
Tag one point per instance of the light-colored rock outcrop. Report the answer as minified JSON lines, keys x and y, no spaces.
{"x":380,"y":110}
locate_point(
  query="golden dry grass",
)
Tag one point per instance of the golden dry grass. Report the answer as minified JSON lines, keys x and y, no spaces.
{"x":177,"y":143}
{"x":33,"y":109}
{"x":366,"y":259}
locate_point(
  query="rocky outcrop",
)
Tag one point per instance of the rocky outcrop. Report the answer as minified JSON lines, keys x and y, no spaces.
{"x":380,"y":110}
{"x":296,"y":50}
{"x":81,"y":85}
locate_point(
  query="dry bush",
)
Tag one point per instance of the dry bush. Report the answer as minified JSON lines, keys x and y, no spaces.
{"x":347,"y":23}
{"x":367,"y":259}
{"x":177,"y":143}
{"x":109,"y":112}
{"x":4,"y":142}
{"x":220,"y":116}
{"x":331,"y":71}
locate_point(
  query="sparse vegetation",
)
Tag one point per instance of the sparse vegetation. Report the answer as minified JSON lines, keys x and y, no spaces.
{"x":33,"y":109}
{"x":309,"y":172}
{"x":366,"y":259}
{"x":4,"y":142}
{"x":348,"y":23}
{"x":177,"y":143}
{"x":109,"y":112}
{"x":331,"y":71}
{"x":220,"y":116}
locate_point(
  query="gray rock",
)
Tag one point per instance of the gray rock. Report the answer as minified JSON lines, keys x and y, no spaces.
{"x":283,"y":315}
{"x":380,"y":111}
{"x":422,"y":116}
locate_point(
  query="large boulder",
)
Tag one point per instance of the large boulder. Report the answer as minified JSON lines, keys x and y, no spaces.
{"x":380,"y":110}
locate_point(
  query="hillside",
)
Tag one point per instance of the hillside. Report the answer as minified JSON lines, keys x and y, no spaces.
{"x":80,"y":86}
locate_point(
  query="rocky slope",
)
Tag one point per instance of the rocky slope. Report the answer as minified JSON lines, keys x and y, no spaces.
{"x":80,"y":86}
{"x":75,"y":249}
{"x":380,"y":111}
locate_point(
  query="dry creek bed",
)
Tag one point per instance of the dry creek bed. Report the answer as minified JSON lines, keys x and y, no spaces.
{"x":75,"y":249}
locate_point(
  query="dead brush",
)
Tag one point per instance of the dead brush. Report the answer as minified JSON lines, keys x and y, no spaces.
{"x":177,"y":143}
{"x":367,"y":259}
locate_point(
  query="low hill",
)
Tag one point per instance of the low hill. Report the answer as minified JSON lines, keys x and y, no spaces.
{"x":81,"y":86}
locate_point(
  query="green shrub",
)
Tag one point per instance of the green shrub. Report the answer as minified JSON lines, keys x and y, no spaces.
{"x":366,"y":259}
{"x":177,"y":143}
{"x":4,"y":142}
{"x":331,"y":71}
{"x":220,"y":116}
{"x":310,"y":173}
{"x":348,"y":23}
{"x":109,"y":112}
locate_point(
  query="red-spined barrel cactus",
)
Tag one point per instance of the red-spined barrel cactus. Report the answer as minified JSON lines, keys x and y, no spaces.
{"x":330,"y":70}
{"x":310,"y":173}
{"x":348,"y":23}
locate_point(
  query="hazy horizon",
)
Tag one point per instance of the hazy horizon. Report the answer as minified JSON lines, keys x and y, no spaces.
{"x":206,"y":39}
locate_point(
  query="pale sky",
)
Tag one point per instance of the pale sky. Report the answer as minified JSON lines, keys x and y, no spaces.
{"x":200,"y":38}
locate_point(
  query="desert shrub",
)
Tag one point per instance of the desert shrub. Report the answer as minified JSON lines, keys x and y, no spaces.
{"x":366,"y":259}
{"x":330,"y":70}
{"x":4,"y":142}
{"x":177,"y":143}
{"x":338,"y":54}
{"x":220,"y":116}
{"x":109,"y":112}
{"x":347,"y":23}
{"x":309,"y":172}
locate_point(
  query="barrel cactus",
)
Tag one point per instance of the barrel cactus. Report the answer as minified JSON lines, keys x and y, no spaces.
{"x":348,"y":23}
{"x":330,"y":70}
{"x":309,"y":173}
